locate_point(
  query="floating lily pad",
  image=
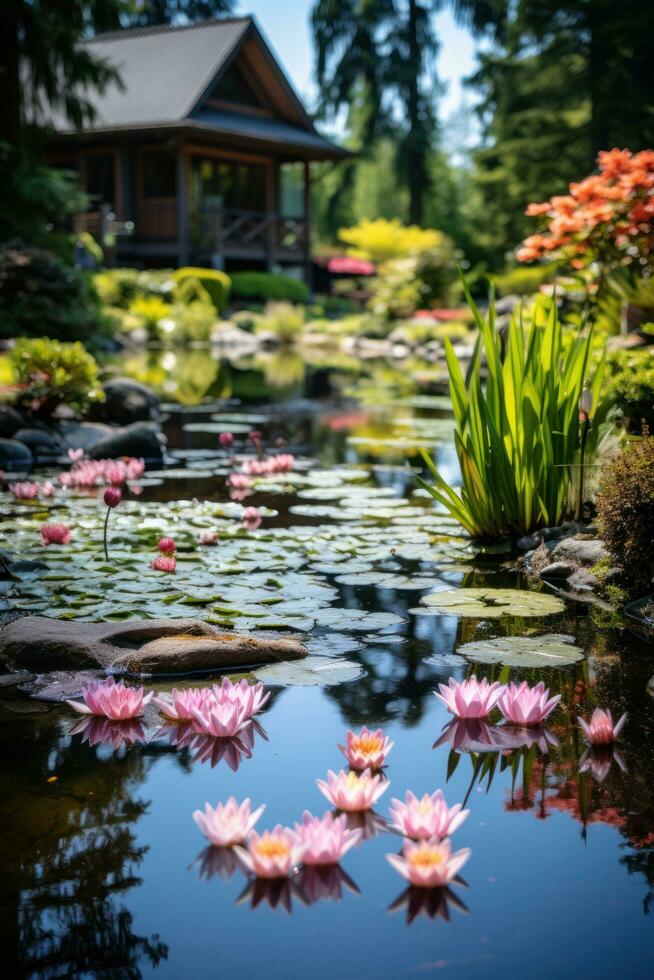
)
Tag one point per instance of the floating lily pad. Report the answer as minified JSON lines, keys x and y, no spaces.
{"x":549,"y":650}
{"x":493,"y":603}
{"x":310,"y":672}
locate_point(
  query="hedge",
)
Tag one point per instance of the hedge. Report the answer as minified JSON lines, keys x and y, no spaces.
{"x":216,"y":283}
{"x":267,"y":285}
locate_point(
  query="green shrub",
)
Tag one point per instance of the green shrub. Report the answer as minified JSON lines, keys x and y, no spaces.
{"x":49,"y":373}
{"x":267,"y":285}
{"x":517,"y":430}
{"x":282,"y":319}
{"x":525,"y":280}
{"x":625,"y":514}
{"x":150,"y":309}
{"x":216,"y":283}
{"x":630,"y":385}
{"x":192,"y":321}
{"x":418,"y":281}
{"x":120,"y":287}
{"x":41,"y":295}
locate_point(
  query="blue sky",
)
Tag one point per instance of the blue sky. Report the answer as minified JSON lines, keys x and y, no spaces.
{"x":286,"y":24}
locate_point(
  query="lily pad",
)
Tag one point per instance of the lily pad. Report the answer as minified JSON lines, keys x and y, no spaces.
{"x":310,"y":672}
{"x":493,"y":603}
{"x":549,"y":650}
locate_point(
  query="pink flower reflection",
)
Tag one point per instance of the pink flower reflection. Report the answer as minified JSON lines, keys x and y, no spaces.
{"x":598,"y":759}
{"x":274,"y":892}
{"x":223,"y":861}
{"x":433,"y":903}
{"x":368,"y":822}
{"x":471,"y":735}
{"x":316,"y":883}
{"x":215,"y":750}
{"x":102,"y":731}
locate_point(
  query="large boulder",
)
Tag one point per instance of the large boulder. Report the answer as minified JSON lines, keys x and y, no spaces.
{"x":42,"y":444}
{"x":126,"y":401}
{"x":139,"y":439}
{"x":156,"y":646}
{"x":10,"y":421}
{"x":580,"y":551}
{"x":83,"y":435}
{"x":15,"y":455}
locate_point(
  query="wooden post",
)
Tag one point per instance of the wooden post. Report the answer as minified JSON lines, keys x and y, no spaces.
{"x":307,"y":223}
{"x":182,"y":207}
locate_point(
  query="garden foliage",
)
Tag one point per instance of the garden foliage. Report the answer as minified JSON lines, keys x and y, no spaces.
{"x":625,"y":514}
{"x":262,"y":286}
{"x":48,"y":373}
{"x":517,"y":428}
{"x":216,"y":283}
{"x":381,"y":240}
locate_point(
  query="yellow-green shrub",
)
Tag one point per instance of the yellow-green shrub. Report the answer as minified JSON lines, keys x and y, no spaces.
{"x":216,"y":283}
{"x":380,"y":240}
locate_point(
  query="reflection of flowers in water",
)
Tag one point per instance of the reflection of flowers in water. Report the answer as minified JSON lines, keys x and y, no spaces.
{"x":368,"y":822}
{"x":476,"y":735}
{"x":116,"y":734}
{"x":223,"y":861}
{"x":598,"y":761}
{"x":275,"y":892}
{"x":433,"y":903}
{"x":214,"y":750}
{"x":315,"y":883}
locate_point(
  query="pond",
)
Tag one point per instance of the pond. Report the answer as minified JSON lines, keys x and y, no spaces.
{"x":104,"y":871}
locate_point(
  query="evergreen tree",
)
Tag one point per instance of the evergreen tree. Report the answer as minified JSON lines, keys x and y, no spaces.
{"x":151,"y":12}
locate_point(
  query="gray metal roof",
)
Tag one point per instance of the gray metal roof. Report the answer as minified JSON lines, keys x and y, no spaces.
{"x":266,"y":130}
{"x":164,"y":72}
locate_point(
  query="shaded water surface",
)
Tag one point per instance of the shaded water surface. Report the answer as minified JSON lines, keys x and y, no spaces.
{"x":104,"y":873}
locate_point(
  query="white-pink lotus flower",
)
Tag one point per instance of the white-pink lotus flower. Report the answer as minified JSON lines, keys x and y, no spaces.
{"x":273,"y":853}
{"x":180,"y":705}
{"x":227,"y":823}
{"x":112,"y":700}
{"x":429,"y":863}
{"x":222,"y":720}
{"x":367,"y":750}
{"x":251,"y":697}
{"x":601,"y":730}
{"x":352,"y":791}
{"x":470,"y":698}
{"x":524,"y":705}
{"x":426,"y":818}
{"x":325,"y":838}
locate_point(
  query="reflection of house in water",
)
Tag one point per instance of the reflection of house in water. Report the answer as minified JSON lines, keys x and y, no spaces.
{"x":69,"y":855}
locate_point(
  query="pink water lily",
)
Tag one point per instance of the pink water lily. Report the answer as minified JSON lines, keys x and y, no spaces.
{"x":225,"y":439}
{"x":167,"y":546}
{"x":251,"y":697}
{"x":601,"y":730}
{"x":221,"y":720}
{"x":180,"y":705}
{"x":325,"y":839}
{"x":470,"y":698}
{"x":352,"y":791}
{"x":209,"y":538}
{"x":426,"y":818}
{"x":112,"y":700}
{"x":75,"y":454}
{"x":227,"y":823}
{"x":524,"y":705}
{"x":273,"y":853}
{"x":429,"y":863}
{"x":24,"y":490}
{"x":164,"y":563}
{"x":55,"y":533}
{"x":367,"y":750}
{"x":251,"y":518}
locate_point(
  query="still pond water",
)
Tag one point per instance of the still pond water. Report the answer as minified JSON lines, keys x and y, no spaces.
{"x":104,"y":873}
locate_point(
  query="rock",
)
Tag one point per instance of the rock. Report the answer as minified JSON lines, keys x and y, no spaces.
{"x":183,"y":654}
{"x":528,"y":541}
{"x":83,"y":435}
{"x":552,"y":533}
{"x":580,"y":551}
{"x":39,"y":442}
{"x":139,"y":439}
{"x":10,"y":421}
{"x":38,"y":643}
{"x":557,"y":569}
{"x":583,"y":581}
{"x":15,"y":455}
{"x":126,"y":401}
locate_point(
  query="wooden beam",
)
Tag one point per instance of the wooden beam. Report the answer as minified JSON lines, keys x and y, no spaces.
{"x":307,"y":222}
{"x":182,"y":207}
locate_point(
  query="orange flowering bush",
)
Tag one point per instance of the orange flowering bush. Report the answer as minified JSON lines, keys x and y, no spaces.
{"x":608,"y":217}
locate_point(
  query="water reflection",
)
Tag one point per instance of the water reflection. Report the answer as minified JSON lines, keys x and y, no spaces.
{"x":315,"y":883}
{"x":113,"y":734}
{"x":207,"y":748}
{"x":432,"y":903}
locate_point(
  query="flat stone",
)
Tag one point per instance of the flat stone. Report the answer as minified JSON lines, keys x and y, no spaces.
{"x":183,"y":654}
{"x":557,"y":569}
{"x":141,"y":439}
{"x":528,"y":541}
{"x":14,"y":455}
{"x":154,"y":645}
{"x":580,"y":551}
{"x":83,"y":435}
{"x":583,"y":581}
